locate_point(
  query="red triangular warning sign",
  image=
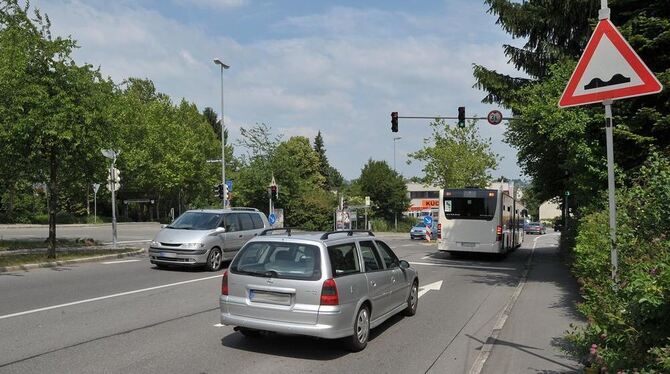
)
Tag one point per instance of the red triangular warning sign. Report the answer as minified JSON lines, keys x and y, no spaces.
{"x":608,"y":69}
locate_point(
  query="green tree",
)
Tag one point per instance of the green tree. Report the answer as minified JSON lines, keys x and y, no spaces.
{"x":333,"y":177}
{"x":386,"y":189}
{"x":53,"y":117}
{"x":456,"y":157}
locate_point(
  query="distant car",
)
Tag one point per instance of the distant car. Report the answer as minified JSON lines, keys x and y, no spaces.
{"x":535,"y":228}
{"x":331,"y":285}
{"x":419,"y":231}
{"x":206,"y":237}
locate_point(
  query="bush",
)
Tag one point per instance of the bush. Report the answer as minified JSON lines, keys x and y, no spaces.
{"x":630,"y":323}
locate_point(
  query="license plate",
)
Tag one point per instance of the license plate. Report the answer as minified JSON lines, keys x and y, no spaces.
{"x":168,"y":254}
{"x":269,"y":297}
{"x":468,"y":244}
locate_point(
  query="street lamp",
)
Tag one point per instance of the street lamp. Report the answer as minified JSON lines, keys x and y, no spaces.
{"x":112,"y":155}
{"x":394,"y":140}
{"x":223,"y":144}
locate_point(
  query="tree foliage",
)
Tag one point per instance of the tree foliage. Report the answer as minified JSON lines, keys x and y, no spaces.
{"x":456,"y":157}
{"x":386,"y":189}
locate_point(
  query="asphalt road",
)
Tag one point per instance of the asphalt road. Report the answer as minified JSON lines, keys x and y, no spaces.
{"x":128,"y":317}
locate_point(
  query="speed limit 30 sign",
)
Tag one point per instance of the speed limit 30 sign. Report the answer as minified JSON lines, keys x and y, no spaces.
{"x":494,"y":117}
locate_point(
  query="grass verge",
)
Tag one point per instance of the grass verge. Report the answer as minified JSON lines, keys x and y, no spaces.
{"x":37,"y":258}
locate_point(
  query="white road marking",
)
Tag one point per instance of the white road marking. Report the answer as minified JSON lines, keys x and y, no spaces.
{"x":431,"y":286}
{"x":130,"y":241}
{"x":462,"y":266}
{"x":219,"y":325}
{"x":106,"y":297}
{"x":487,"y":348}
{"x":119,"y":262}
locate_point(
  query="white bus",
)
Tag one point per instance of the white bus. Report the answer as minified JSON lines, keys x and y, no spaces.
{"x":479,"y":220}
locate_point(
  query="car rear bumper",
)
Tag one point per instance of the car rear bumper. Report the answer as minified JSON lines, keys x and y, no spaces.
{"x":330,"y":325}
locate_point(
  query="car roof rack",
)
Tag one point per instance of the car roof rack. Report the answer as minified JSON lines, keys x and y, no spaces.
{"x":244,"y":209}
{"x":348,"y":232}
{"x":266,"y":231}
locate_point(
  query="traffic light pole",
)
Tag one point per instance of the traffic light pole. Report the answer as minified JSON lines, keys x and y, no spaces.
{"x":447,"y":117}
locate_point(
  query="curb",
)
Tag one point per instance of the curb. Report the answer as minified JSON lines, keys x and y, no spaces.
{"x":66,"y":225}
{"x":26,"y":267}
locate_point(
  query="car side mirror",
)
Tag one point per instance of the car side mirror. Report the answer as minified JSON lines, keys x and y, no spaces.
{"x":220,"y":229}
{"x":404,"y":264}
{"x":164,"y":226}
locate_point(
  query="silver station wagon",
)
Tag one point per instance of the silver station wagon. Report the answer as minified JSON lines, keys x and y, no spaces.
{"x":330,"y":285}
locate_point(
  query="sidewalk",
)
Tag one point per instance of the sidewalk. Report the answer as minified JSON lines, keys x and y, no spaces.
{"x":531,"y":339}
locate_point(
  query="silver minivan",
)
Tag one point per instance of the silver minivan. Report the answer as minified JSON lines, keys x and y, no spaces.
{"x":330,"y":285}
{"x":206,"y":237}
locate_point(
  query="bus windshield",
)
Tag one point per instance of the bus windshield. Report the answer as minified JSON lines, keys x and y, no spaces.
{"x":477,"y":206}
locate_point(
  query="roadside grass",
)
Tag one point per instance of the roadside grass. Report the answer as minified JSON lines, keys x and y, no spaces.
{"x":10,"y":245}
{"x":36,"y":258}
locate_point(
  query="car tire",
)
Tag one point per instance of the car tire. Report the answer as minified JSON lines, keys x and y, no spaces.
{"x":249,"y":333}
{"x":412,"y":300}
{"x":359,"y":340}
{"x":214,"y":259}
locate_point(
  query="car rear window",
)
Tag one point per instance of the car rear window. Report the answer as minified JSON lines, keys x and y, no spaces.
{"x":278,"y":260}
{"x":343,"y":259}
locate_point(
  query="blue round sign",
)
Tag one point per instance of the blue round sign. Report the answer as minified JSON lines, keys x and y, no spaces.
{"x":272,"y":219}
{"x":428,"y":220}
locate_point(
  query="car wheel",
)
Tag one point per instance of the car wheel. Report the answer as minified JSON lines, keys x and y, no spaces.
{"x":359,"y":340}
{"x":249,"y":333}
{"x":412,"y":300}
{"x":214,"y":259}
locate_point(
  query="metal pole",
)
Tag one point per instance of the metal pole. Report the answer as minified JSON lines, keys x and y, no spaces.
{"x":113,"y":185}
{"x":394,"y":139}
{"x":95,"y":207}
{"x":611,"y":188}
{"x":223,"y":143}
{"x":565,"y":213}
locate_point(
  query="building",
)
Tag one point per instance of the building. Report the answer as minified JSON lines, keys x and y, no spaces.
{"x":424,"y":200}
{"x":550,"y":210}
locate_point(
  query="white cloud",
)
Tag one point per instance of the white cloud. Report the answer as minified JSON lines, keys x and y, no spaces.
{"x":339,"y":72}
{"x":213,"y":4}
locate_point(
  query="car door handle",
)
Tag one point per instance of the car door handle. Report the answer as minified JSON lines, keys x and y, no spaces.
{"x":393,"y":280}
{"x":373,"y":284}
{"x":240,"y":236}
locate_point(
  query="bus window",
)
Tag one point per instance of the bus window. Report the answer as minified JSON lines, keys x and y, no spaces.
{"x":470,"y":207}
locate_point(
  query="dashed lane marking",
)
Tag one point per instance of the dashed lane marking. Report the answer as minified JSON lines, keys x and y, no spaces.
{"x":119,"y":262}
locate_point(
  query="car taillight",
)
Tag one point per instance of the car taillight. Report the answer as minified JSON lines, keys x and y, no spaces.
{"x":224,"y":283}
{"x":499,"y":233}
{"x":329,"y":293}
{"x":439,"y":231}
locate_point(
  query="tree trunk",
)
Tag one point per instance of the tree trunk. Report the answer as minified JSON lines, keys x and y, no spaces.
{"x":52,"y":198}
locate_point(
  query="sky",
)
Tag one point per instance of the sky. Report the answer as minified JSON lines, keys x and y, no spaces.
{"x":339,"y":67}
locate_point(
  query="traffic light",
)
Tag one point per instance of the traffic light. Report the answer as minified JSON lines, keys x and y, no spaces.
{"x":225,"y":192}
{"x":394,"y":121}
{"x":461,"y":116}
{"x":218,"y":191}
{"x":274,"y":192}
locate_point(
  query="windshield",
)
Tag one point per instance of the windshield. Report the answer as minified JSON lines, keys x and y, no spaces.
{"x":196,"y":221}
{"x":278,"y":260}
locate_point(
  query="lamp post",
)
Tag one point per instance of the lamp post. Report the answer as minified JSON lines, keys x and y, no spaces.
{"x":396,"y":213}
{"x":112,"y":155}
{"x":394,"y":140}
{"x":223,"y":142}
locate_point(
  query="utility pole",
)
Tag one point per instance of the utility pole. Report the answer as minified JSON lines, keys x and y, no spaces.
{"x":223,"y":129}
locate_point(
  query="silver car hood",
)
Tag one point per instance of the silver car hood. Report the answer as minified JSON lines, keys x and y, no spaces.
{"x":175,"y":236}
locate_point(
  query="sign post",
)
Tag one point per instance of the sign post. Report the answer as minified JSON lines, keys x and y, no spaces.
{"x":96,"y":187}
{"x":609,"y":69}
